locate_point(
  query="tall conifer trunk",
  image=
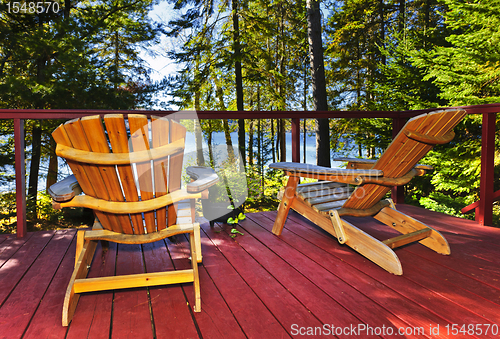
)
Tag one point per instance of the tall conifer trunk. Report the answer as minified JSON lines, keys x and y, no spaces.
{"x":318,"y":82}
{"x":238,"y":78}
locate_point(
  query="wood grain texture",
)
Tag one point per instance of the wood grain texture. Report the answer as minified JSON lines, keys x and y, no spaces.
{"x":118,"y":138}
{"x":139,"y":139}
{"x":303,"y":277}
{"x":160,"y":131}
{"x":403,"y":153}
{"x":177,"y":131}
{"x":313,"y":169}
{"x":126,"y":207}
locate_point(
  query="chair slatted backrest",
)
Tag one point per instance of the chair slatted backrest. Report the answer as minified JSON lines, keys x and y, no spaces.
{"x":404,"y":153}
{"x":127,"y":182}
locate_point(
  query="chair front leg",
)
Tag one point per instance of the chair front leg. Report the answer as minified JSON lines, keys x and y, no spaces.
{"x":196,"y":278}
{"x":286,"y":203}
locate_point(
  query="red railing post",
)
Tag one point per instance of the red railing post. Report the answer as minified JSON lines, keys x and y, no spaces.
{"x":484,"y":211}
{"x":295,"y":139}
{"x":20,"y":177}
{"x":397,"y":192}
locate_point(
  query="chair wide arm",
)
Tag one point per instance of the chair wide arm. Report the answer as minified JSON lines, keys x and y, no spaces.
{"x":348,"y":176}
{"x":368,"y":163}
{"x":65,"y":189}
{"x":204,"y":177}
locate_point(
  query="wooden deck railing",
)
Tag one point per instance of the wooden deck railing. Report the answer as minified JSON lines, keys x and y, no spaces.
{"x":483,"y":207}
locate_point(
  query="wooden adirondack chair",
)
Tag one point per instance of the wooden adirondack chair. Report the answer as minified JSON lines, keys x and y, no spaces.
{"x":133,"y":184}
{"x":327,"y":201}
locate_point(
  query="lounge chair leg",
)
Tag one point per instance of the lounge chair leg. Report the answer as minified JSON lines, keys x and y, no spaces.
{"x":81,"y":270}
{"x":406,"y":224}
{"x":357,"y":239}
{"x":286,"y":203}
{"x":372,"y":248}
{"x":337,"y":225}
{"x":80,"y":240}
{"x":197,"y":242}
{"x":196,"y":278}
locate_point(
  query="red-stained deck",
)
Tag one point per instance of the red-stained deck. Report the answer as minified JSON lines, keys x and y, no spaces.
{"x":259,"y":285}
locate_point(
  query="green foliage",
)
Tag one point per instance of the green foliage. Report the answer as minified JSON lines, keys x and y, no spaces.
{"x":45,"y":209}
{"x":466,"y":70}
{"x":85,"y":56}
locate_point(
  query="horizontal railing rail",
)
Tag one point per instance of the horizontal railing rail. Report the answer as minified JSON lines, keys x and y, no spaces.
{"x":483,"y":207}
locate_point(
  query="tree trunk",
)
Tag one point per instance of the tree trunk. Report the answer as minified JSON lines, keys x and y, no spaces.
{"x":282,"y":137}
{"x":34,"y":171}
{"x":225,"y":124}
{"x":272,"y":140}
{"x":304,"y":107}
{"x":53,"y":165}
{"x":318,"y":82}
{"x":238,"y":79}
{"x":250,"y":143}
{"x":209,"y":143}
{"x":200,"y":159}
{"x":382,"y":29}
{"x":401,"y":15}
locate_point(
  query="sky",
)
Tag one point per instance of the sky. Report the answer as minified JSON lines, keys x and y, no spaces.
{"x":161,"y":66}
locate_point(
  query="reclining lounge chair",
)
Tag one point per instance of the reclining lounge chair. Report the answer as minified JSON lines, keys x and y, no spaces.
{"x":327,"y":201}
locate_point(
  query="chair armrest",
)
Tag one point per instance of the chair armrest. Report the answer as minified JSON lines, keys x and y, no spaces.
{"x":301,"y":169}
{"x":203,"y":177}
{"x":65,"y":189}
{"x":356,"y":163}
{"x":367,"y":163}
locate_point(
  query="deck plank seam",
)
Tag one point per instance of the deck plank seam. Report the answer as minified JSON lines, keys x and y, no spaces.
{"x":184,"y":236}
{"x":302,"y":274}
{"x":407,"y":278}
{"x":272,"y":275}
{"x":27,"y":268}
{"x":246,"y":282}
{"x":48,"y":286}
{"x":151,"y":315}
{"x":460,"y":306}
{"x":297,"y":219}
{"x":203,"y":234}
{"x":349,"y":284}
{"x":13,"y":239}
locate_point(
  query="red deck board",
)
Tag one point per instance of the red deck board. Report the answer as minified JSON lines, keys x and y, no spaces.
{"x":462,"y":298}
{"x":285,"y":307}
{"x":317,"y":302}
{"x":419,"y":294}
{"x":252,"y":315}
{"x":92,"y":317}
{"x":171,"y":314}
{"x":383,"y":299}
{"x":19,"y":308}
{"x":256,"y":285}
{"x":460,"y":226}
{"x":359,"y":276}
{"x":213,"y":306}
{"x":130,"y":306}
{"x":15,"y":267}
{"x":354,"y":301}
{"x":46,"y":322}
{"x":464,"y":250}
{"x":10,"y":244}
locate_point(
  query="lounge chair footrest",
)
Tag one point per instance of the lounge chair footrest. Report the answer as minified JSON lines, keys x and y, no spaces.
{"x":408,"y":238}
